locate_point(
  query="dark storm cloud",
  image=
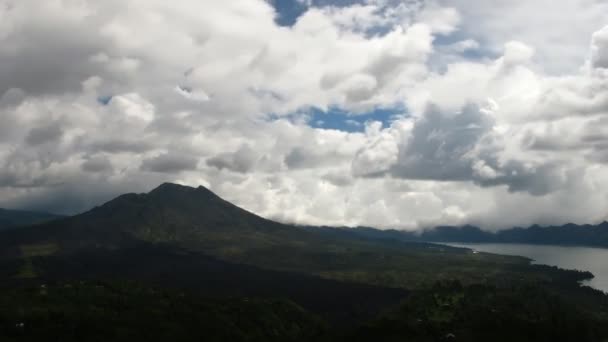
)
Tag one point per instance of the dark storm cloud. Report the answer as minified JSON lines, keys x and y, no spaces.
{"x":300,"y":158}
{"x":12,"y":179}
{"x":537,"y":181}
{"x":57,"y":63}
{"x":97,"y":165}
{"x":599,"y":53}
{"x":70,"y":199}
{"x":170,"y":163}
{"x":459,"y":147}
{"x":439,"y":144}
{"x":313,"y":156}
{"x":12,"y":97}
{"x":242,"y":161}
{"x":120,"y":145}
{"x":44,"y":134}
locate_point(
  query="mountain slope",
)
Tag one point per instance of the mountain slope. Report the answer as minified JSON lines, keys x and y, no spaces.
{"x":18,"y":218}
{"x":169,"y":214}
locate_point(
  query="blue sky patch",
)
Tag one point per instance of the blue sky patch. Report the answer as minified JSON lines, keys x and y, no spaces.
{"x":339,"y":119}
{"x":104,"y":100}
{"x":290,"y":10}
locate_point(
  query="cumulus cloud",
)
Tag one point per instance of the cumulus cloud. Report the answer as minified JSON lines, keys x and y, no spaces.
{"x":505,"y":120}
{"x":440,"y":143}
{"x":559,"y":50}
{"x":379,"y":153}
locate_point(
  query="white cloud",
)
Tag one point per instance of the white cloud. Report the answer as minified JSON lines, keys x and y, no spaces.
{"x":559,"y":31}
{"x":98,"y":98}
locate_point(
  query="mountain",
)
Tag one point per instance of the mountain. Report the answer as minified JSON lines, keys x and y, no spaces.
{"x":19,"y":218}
{"x":185,"y":238}
{"x":192,"y":218}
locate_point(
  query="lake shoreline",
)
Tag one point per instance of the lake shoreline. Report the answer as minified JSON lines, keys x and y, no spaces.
{"x":568,"y":258}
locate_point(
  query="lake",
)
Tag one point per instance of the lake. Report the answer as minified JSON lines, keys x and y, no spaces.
{"x":589,"y":259}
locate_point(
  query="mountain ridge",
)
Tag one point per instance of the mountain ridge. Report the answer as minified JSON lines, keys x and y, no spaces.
{"x":568,"y":235}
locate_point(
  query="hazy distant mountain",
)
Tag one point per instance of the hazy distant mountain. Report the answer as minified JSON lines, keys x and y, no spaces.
{"x":569,"y":234}
{"x":17,"y":218}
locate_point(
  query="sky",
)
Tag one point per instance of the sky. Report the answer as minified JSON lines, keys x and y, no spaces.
{"x":394,"y":114}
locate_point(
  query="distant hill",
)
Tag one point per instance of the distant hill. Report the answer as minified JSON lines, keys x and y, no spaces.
{"x":18,"y":218}
{"x":569,"y":235}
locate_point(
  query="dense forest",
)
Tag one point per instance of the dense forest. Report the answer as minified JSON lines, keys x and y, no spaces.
{"x":447,"y":311}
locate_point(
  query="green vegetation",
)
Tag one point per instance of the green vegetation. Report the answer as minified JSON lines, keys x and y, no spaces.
{"x":39,"y":250}
{"x":29,"y":252}
{"x":447,"y":311}
{"x":96,"y":311}
{"x":451,"y":312}
{"x":27,"y":271}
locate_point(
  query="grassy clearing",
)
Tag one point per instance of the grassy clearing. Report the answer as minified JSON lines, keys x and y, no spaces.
{"x":29,"y":252}
{"x":39,"y":250}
